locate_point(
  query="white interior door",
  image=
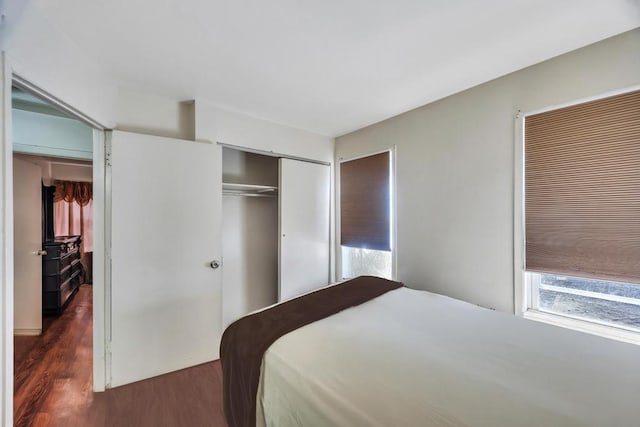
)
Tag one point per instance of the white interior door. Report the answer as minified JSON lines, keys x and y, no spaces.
{"x":304,"y":194}
{"x":27,"y":241}
{"x":165,"y":231}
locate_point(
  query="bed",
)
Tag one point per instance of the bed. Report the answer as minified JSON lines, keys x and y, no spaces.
{"x":412,"y":358}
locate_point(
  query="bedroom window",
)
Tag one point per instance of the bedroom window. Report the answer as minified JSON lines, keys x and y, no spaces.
{"x":581,"y":211}
{"x":366,"y":216}
{"x":602,"y":302}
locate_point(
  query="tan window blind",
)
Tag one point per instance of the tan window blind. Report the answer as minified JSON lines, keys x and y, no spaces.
{"x":582,"y":189}
{"x":364,"y":202}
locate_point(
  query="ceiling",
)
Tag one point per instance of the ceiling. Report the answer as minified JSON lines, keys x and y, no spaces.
{"x":327,"y":66}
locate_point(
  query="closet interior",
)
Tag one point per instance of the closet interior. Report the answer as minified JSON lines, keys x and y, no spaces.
{"x":276,"y":229}
{"x":250,"y":232}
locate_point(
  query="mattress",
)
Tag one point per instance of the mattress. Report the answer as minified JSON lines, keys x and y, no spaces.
{"x":246,"y":340}
{"x":413,"y":358}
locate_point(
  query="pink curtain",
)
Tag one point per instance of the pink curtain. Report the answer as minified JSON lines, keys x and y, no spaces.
{"x":70,"y":219}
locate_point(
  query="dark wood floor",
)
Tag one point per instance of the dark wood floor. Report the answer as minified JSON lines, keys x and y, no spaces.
{"x":53,"y":377}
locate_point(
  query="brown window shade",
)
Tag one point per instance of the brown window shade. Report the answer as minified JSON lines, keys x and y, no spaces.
{"x":582,"y":189}
{"x":364,"y":202}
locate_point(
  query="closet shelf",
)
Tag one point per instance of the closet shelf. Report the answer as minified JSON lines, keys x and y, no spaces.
{"x":231,"y":189}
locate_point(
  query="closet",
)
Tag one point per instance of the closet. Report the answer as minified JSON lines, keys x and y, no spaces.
{"x":275,"y":227}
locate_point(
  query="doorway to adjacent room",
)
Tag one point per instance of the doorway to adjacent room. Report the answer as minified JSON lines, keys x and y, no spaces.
{"x":53,"y":267}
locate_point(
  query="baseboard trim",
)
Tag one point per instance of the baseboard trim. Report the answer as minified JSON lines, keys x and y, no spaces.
{"x":27,"y":332}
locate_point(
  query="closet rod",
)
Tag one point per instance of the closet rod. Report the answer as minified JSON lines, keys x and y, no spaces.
{"x":234,"y":189}
{"x":242,"y":194}
{"x":271,"y":153}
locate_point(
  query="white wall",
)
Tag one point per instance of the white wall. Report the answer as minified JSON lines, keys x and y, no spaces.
{"x":48,"y":135}
{"x":455,"y":167}
{"x":153,"y":115}
{"x":216,"y":125}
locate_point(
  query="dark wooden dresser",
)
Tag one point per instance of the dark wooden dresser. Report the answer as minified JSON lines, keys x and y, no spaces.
{"x":61,"y":272}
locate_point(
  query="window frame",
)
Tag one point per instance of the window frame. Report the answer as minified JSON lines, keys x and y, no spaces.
{"x":392,"y":150}
{"x":523,"y":287}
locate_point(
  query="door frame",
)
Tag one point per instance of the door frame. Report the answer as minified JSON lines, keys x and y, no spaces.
{"x":6,"y":246}
{"x":100,"y":230}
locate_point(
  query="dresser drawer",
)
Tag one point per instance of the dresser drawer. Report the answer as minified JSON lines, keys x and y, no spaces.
{"x":50,"y":301}
{"x":51,"y":283}
{"x":66,"y":290}
{"x":51,"y":266}
{"x":54,"y":251}
{"x":61,"y":271}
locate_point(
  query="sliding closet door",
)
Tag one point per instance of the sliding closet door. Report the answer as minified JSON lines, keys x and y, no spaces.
{"x":165,"y":231}
{"x":304,"y":227}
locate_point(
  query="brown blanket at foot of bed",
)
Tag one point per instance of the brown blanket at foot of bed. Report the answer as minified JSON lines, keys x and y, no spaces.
{"x":245,"y":341}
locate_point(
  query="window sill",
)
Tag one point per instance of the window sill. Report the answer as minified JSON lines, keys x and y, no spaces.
{"x":605,"y":331}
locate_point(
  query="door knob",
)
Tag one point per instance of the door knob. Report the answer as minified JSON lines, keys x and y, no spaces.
{"x":215,"y":264}
{"x":41,"y":252}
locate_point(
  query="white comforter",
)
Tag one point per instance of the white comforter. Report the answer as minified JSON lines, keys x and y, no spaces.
{"x":413,"y":358}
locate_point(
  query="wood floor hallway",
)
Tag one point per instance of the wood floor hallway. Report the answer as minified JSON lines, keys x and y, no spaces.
{"x":53,"y":377}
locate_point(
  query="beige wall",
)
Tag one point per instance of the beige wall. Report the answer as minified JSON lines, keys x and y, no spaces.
{"x":60,"y":169}
{"x":455,"y":163}
{"x":71,"y":172}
